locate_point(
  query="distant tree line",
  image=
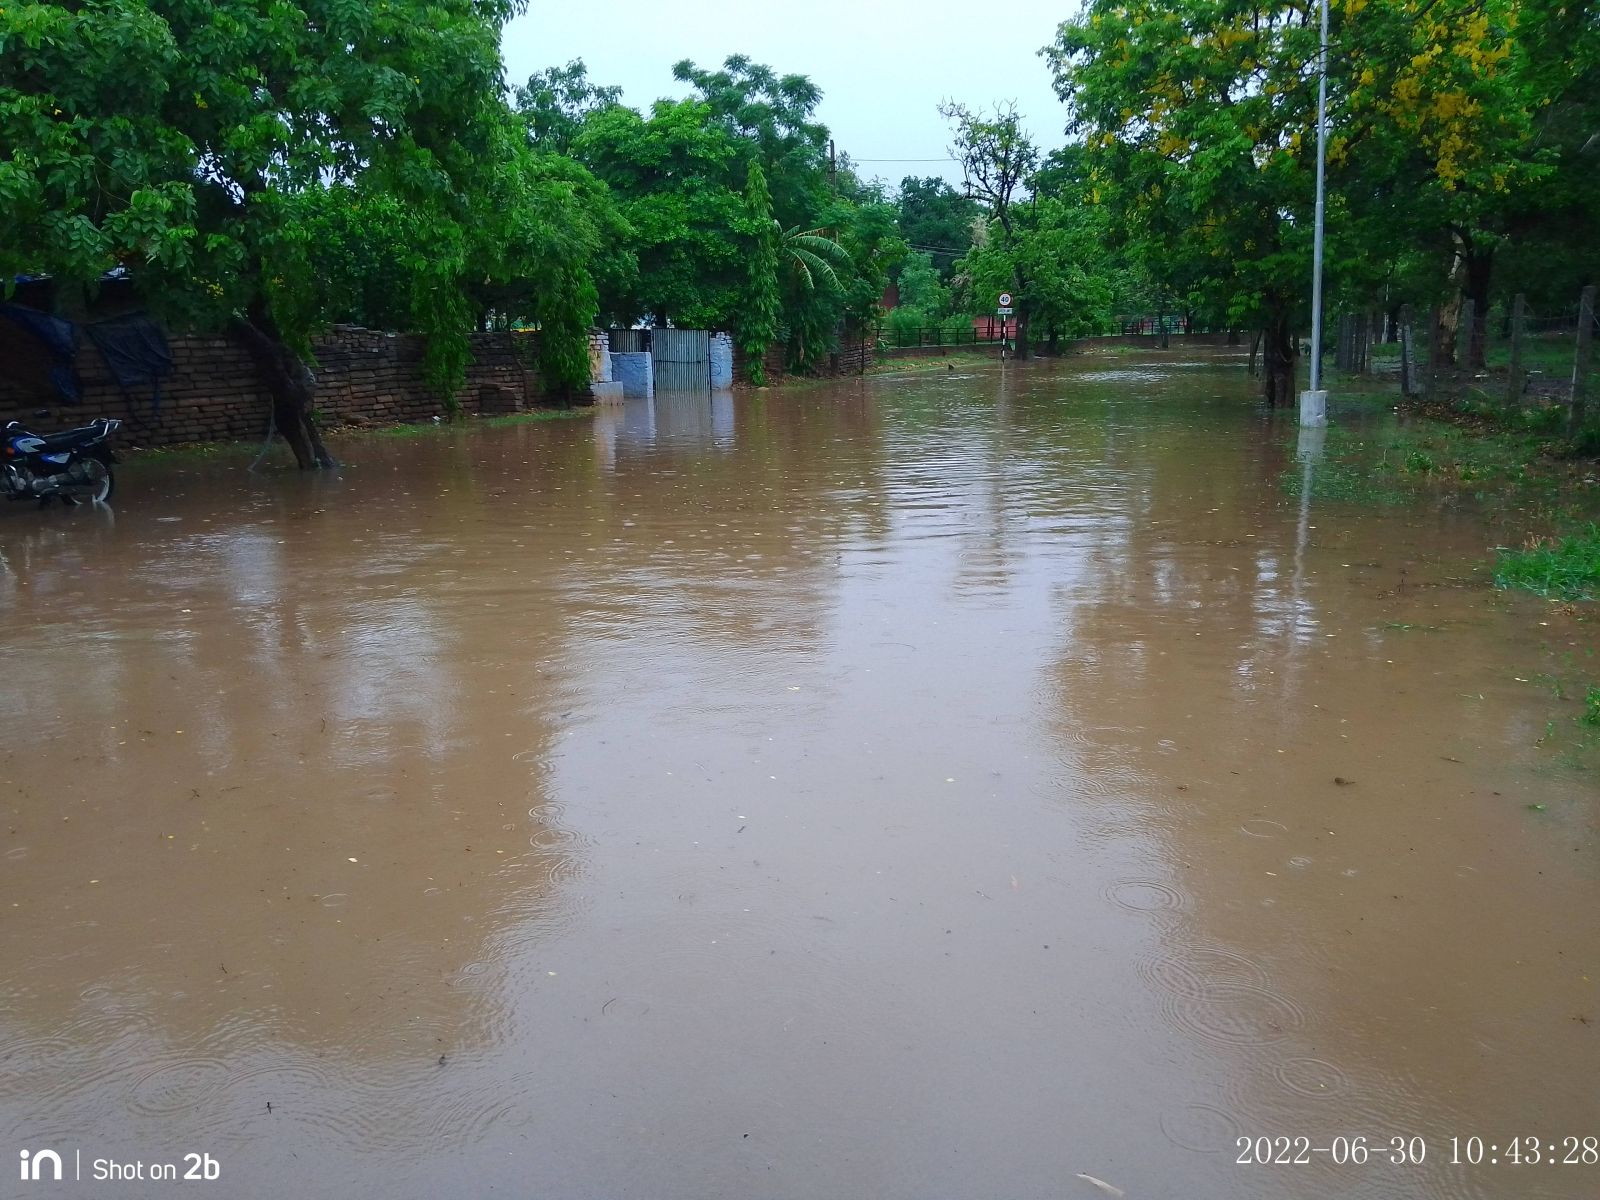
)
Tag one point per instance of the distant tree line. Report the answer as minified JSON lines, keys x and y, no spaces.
{"x":270,"y":170}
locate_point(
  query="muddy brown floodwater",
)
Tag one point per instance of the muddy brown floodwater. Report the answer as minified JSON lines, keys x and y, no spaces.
{"x":914,"y":787}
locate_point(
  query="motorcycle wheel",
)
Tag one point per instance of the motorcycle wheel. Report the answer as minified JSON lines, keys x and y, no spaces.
{"x":101,"y":484}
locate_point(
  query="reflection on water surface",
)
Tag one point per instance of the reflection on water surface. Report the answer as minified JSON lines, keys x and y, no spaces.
{"x":925,"y":786}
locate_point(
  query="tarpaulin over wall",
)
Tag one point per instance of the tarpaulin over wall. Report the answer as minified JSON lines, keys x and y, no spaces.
{"x":135,"y":351}
{"x":59,"y":337}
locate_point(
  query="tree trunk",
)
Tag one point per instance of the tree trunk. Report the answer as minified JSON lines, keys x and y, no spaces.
{"x":1277,"y":386}
{"x":1020,"y":284}
{"x":1480,"y":268}
{"x":292,"y":385}
{"x":1255,"y":349}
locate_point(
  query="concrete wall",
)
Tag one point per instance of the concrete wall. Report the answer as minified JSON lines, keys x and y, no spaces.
{"x":213,"y":393}
{"x":721,"y":360}
{"x":636,"y":373}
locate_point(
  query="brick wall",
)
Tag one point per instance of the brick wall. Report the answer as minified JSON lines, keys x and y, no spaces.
{"x":213,"y":394}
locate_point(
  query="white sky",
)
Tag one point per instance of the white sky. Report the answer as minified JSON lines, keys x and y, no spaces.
{"x":882,"y":65}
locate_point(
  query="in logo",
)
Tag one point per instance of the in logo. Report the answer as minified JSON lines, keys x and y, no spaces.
{"x":37,"y":1160}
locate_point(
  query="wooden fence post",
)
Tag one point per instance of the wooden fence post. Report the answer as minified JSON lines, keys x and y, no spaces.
{"x":1408,"y":355}
{"x":1577,"y":414}
{"x":1518,"y":378}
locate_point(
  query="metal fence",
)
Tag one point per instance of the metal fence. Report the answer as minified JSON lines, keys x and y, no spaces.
{"x":682,"y":359}
{"x":933,"y":335}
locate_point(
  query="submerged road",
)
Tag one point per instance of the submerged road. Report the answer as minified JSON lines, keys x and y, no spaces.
{"x":948,"y":785}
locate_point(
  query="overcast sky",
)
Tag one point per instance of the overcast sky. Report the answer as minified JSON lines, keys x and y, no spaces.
{"x":882,"y":65}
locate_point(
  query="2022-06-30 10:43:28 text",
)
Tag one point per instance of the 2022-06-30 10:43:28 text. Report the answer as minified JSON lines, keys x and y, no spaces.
{"x":1472,"y":1151}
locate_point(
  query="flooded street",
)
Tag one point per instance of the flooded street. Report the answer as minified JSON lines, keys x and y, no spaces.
{"x":924,"y":786}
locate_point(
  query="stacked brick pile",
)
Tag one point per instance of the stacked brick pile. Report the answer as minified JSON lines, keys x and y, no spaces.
{"x":599,"y":356}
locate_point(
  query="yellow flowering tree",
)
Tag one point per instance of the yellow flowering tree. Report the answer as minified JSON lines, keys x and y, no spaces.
{"x":1200,"y":116}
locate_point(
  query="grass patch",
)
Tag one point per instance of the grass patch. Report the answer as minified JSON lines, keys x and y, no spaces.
{"x":188,"y":452}
{"x":1348,"y":479}
{"x":428,"y":428}
{"x":1566,"y":568}
{"x":891,"y":364}
{"x":536,"y":415}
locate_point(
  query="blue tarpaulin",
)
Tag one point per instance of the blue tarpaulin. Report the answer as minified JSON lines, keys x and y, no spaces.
{"x":59,"y":337}
{"x":135,"y":350}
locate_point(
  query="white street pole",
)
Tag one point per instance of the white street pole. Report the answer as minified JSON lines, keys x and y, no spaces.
{"x":1314,"y":403}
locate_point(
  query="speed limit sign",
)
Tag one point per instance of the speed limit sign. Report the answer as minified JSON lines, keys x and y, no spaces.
{"x":1005,"y":299}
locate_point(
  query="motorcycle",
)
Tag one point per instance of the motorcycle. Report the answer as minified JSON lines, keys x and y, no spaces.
{"x":70,"y":466}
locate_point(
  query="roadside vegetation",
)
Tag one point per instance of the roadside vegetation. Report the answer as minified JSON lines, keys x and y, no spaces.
{"x":267,"y":172}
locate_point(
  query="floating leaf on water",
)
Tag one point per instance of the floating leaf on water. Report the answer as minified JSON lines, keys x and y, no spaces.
{"x":1105,"y":1187}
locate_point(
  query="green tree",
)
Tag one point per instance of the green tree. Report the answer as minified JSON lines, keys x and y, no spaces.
{"x":677,"y":178}
{"x":1059,"y":248}
{"x":774,"y":116}
{"x":547,"y":233}
{"x":758,"y":314}
{"x":997,"y":158}
{"x":921,"y":288}
{"x":937,"y":220}
{"x":558,"y":100}
{"x":172,"y":137}
{"x":1199,"y":116}
{"x":869,"y":234}
{"x":814,"y":267}
{"x":1194,"y":112}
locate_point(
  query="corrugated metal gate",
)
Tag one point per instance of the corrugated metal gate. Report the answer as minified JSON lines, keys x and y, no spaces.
{"x":682,"y":359}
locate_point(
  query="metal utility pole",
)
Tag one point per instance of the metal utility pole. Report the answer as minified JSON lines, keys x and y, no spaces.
{"x":1314,"y":402}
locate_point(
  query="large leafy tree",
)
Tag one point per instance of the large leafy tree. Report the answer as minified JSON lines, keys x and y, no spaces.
{"x":774,"y":117}
{"x":997,"y":159}
{"x":758,"y":314}
{"x":557,"y":101}
{"x":869,"y":233}
{"x":1195,"y":111}
{"x":1059,"y":248}
{"x":174,"y":137}
{"x":683,"y":180}
{"x":547,"y":236}
{"x":1200,"y":119}
{"x":678,"y":179}
{"x":936,"y":220}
